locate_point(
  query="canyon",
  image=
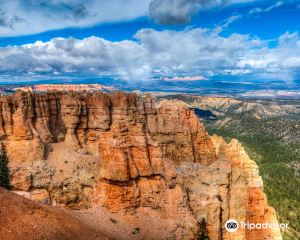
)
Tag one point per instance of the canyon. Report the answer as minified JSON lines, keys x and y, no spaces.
{"x":134,"y":159}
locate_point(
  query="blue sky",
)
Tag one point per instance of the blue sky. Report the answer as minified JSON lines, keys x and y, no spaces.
{"x":171,"y":40}
{"x":267,"y":25}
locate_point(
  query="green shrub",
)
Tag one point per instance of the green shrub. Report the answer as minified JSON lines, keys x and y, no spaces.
{"x":4,"y":170}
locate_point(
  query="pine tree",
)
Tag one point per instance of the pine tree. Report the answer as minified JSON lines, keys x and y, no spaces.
{"x":203,"y":232}
{"x":4,"y":170}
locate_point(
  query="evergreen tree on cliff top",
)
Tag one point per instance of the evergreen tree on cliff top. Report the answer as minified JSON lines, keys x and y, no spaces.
{"x":203,"y":232}
{"x":4,"y":170}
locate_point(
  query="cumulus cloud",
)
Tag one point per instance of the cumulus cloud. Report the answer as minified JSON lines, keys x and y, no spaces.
{"x":182,"y":11}
{"x":70,"y":56}
{"x":281,"y":62}
{"x":197,"y":52}
{"x":21,"y":17}
{"x":173,"y":11}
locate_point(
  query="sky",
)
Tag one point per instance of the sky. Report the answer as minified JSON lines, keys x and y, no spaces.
{"x":137,"y":41}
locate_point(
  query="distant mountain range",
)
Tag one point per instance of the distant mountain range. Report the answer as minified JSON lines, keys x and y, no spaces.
{"x":176,"y":85}
{"x":64,"y":87}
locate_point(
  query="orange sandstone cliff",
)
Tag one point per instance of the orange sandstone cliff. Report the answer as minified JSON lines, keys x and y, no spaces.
{"x":131,"y":156}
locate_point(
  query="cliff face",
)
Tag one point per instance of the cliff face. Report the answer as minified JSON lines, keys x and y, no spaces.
{"x":131,"y":156}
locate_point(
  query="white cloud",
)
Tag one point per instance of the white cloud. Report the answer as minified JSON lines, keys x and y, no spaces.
{"x":21,"y":17}
{"x":230,"y":20}
{"x":88,"y":56}
{"x":267,"y":9}
{"x":197,"y":52}
{"x":281,"y":62}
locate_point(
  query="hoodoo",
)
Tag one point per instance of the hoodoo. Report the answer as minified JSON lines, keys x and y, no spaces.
{"x":132,"y":156}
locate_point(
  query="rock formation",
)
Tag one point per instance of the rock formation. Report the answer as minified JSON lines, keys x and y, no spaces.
{"x":131,"y":155}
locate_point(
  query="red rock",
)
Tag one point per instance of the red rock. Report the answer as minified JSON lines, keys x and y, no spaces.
{"x":129,"y":154}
